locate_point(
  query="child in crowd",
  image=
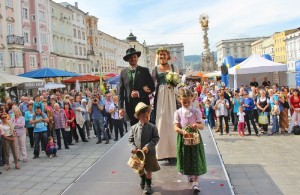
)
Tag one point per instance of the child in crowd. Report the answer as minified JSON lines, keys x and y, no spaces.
{"x":202,"y":108}
{"x":241,"y":121}
{"x":275,"y":113}
{"x":195,"y":102}
{"x":190,"y":159}
{"x":37,"y":103}
{"x":51,"y":148}
{"x":144,"y":136}
{"x":209,"y":114}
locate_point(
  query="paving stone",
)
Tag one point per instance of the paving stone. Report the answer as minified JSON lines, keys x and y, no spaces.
{"x":42,"y":186}
{"x":26,"y":184}
{"x":34,"y":192}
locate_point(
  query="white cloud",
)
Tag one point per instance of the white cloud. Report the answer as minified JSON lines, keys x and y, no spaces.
{"x":176,"y":21}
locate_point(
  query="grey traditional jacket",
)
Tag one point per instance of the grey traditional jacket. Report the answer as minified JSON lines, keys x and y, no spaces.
{"x":146,"y":135}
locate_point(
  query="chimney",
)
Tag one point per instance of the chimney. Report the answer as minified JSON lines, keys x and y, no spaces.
{"x":76,"y":4}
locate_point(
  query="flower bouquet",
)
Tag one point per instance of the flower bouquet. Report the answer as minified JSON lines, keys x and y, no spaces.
{"x":172,"y":79}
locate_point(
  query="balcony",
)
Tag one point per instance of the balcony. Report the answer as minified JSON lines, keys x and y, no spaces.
{"x":13,"y":39}
{"x":90,"y":52}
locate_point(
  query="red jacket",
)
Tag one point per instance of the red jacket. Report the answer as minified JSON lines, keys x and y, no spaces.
{"x":70,"y":114}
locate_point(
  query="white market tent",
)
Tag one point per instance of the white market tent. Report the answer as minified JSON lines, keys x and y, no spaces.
{"x":52,"y":85}
{"x":13,"y":80}
{"x":213,"y":74}
{"x":258,"y":67}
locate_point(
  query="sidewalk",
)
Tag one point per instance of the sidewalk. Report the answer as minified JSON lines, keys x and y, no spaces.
{"x":267,"y":165}
{"x":111,"y":175}
{"x":51,"y":176}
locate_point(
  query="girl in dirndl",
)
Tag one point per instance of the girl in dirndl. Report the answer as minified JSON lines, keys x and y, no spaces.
{"x":190,"y":158}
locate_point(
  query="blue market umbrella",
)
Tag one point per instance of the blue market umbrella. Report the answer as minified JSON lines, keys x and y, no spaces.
{"x":48,"y":73}
{"x":113,"y":80}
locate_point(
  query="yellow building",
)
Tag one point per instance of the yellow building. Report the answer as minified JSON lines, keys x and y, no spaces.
{"x":280,"y":47}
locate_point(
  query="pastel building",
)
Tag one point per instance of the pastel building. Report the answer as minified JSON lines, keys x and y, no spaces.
{"x":257,"y":46}
{"x":62,"y":37}
{"x":78,"y":21}
{"x":177,"y":54}
{"x":279,"y":45}
{"x":292,"y":42}
{"x":36,"y":33}
{"x":268,"y":46}
{"x":11,"y":37}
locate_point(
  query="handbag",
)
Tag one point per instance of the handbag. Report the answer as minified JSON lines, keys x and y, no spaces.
{"x":191,"y":137}
{"x":135,"y":162}
{"x":296,"y":130}
{"x":263,"y":118}
{"x":67,"y":128}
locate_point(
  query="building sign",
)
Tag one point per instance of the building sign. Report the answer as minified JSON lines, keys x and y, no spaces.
{"x":31,"y":85}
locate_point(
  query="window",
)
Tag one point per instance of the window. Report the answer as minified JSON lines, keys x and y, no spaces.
{"x":1,"y":59}
{"x":9,"y":3}
{"x":83,"y":35}
{"x":10,"y":28}
{"x":33,"y":17}
{"x":84,"y":51}
{"x":45,"y":62}
{"x":52,"y":63}
{"x":80,"y":50}
{"x":18,"y":58}
{"x":42,"y":15}
{"x":0,"y":28}
{"x":25,"y":13}
{"x":74,"y":32}
{"x":43,"y":38}
{"x":26,"y":37}
{"x":32,"y":61}
{"x":11,"y":59}
{"x":79,"y":34}
{"x":76,"y":50}
{"x":34,"y":39}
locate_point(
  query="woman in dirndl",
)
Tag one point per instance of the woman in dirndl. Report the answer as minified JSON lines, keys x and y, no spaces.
{"x":164,"y":107}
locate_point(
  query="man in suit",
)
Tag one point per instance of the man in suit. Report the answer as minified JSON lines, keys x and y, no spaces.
{"x":135,"y":85}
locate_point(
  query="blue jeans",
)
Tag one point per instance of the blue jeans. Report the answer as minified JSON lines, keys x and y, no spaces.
{"x":39,"y":136}
{"x":99,"y":127}
{"x":275,"y":127}
{"x":236,"y":120}
{"x":51,"y":151}
{"x":210,"y":120}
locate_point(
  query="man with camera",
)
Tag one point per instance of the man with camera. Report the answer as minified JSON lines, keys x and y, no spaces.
{"x":96,"y":108}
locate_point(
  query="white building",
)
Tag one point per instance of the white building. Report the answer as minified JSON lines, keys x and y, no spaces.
{"x":177,"y":54}
{"x":237,"y":48}
{"x":292,"y":42}
{"x":79,"y":33}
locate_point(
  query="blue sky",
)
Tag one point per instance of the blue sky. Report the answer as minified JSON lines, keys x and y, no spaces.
{"x":176,"y":21}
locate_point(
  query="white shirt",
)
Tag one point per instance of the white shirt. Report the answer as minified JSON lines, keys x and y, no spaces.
{"x":241,"y":116}
{"x":115,"y":114}
{"x":221,"y":107}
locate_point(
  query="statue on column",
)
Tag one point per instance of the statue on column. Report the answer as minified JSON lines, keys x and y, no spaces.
{"x":208,"y":64}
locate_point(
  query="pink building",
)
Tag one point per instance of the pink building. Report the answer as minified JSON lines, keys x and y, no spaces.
{"x":11,"y":39}
{"x":36,"y":31}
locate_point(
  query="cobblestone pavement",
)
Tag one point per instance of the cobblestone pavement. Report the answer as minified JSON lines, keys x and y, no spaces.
{"x":51,"y":176}
{"x":265,"y":165}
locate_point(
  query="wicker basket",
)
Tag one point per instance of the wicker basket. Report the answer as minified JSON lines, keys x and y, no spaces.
{"x":136,"y":163}
{"x":191,"y":138}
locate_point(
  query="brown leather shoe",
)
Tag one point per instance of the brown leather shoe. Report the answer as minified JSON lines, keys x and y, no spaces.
{"x":107,"y":142}
{"x":218,"y":130}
